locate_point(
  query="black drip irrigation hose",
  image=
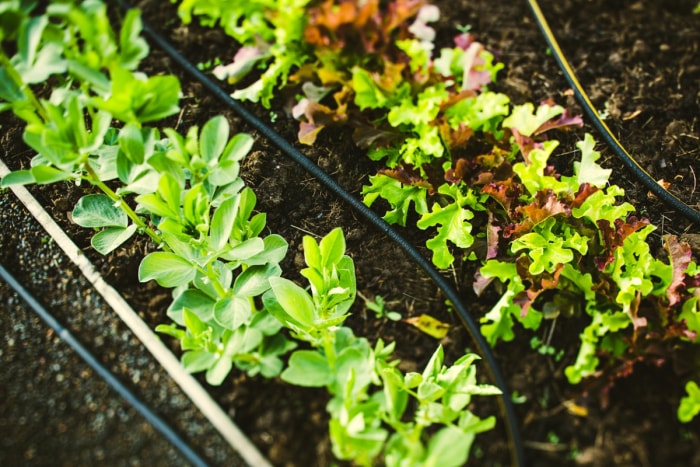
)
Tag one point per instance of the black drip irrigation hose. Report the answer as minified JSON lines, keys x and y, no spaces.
{"x":100,"y":369}
{"x":373,"y":218}
{"x":590,"y":111}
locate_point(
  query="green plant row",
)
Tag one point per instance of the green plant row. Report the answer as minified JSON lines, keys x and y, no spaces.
{"x":479,"y":172}
{"x":230,"y":303}
{"x":368,"y":392}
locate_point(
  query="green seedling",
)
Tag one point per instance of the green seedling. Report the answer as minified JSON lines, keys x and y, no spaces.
{"x":371,"y":417}
{"x":378,"y":306}
{"x":185,"y":193}
{"x":543,"y":349}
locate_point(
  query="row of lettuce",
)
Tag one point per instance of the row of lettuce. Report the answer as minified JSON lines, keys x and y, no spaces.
{"x":477,"y":173}
{"x":94,"y":124}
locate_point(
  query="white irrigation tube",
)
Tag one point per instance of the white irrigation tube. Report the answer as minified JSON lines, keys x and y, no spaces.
{"x":190,"y":386}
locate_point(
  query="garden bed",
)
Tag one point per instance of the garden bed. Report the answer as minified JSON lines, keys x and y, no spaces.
{"x":635,"y":59}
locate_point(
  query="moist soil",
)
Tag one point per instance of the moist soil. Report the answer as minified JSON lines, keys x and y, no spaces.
{"x":638,"y":62}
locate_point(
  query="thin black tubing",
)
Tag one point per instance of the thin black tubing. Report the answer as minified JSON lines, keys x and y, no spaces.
{"x":642,"y":175}
{"x":373,"y":218}
{"x":109,"y":378}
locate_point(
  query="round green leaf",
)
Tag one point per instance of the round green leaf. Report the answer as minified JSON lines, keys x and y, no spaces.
{"x":308,"y":368}
{"x":217,"y":373}
{"x":293,"y":300}
{"x":238,"y":147}
{"x":194,"y":300}
{"x":98,"y":211}
{"x":110,"y":238}
{"x":198,"y":360}
{"x":213,"y":138}
{"x":168,"y":269}
{"x":255,"y":280}
{"x":131,"y":143}
{"x":45,"y":175}
{"x":18,"y":177}
{"x":232,"y":312}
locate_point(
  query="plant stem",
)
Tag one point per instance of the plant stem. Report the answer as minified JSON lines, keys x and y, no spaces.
{"x":328,"y":341}
{"x":211,"y":275}
{"x":16,"y":78}
{"x":95,"y":180}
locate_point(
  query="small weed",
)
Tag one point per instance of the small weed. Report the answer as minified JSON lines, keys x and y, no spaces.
{"x":378,"y":306}
{"x":209,"y":64}
{"x":518,"y":398}
{"x":545,"y":349}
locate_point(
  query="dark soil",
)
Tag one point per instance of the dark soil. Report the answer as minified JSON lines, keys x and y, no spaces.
{"x":638,"y":61}
{"x":55,"y":409}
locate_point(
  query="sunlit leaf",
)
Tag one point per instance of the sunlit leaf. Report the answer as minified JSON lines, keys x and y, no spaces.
{"x":98,"y":211}
{"x":111,"y":238}
{"x":308,"y":368}
{"x":168,"y":269}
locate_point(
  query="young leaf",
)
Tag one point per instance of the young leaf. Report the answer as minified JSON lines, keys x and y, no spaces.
{"x":140,"y":100}
{"x":527,"y":120}
{"x":194,"y":324}
{"x":9,"y":90}
{"x":398,"y":195}
{"x":367,"y":93}
{"x":256,"y":280}
{"x":232,"y":312}
{"x":223,"y":173}
{"x":532,"y":172}
{"x":449,"y":447}
{"x":131,"y":143}
{"x":168,"y":269}
{"x":110,"y":238}
{"x":170,"y":191}
{"x":312,"y":253}
{"x":273,"y":251}
{"x":195,"y":301}
{"x":395,"y":394}
{"x":17,"y":177}
{"x":45,"y":175}
{"x":294,"y":302}
{"x":546,"y":253}
{"x":246,"y":250}
{"x":155,"y":205}
{"x":434,"y":366}
{"x":498,"y":322}
{"x":602,"y":205}
{"x":217,"y":373}
{"x":480,"y":112}
{"x":98,"y":211}
{"x":222,"y":222}
{"x":453,"y":224}
{"x":195,"y":361}
{"x":133,"y":48}
{"x":213,"y":138}
{"x":680,"y":257}
{"x":36,"y":63}
{"x":332,"y":248}
{"x":237,"y":148}
{"x":308,"y":368}
{"x":588,"y":171}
